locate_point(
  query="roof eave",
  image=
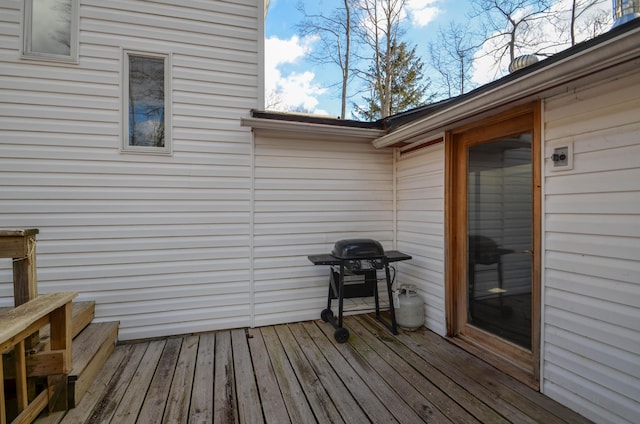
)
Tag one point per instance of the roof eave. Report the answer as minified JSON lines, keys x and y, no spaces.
{"x":294,"y":128}
{"x":541,"y":78}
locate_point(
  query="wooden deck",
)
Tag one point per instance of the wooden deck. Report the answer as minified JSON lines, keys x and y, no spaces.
{"x":297,"y":373}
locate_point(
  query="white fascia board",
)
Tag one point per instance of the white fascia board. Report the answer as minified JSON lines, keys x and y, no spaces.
{"x":306,"y":129}
{"x":602,"y":57}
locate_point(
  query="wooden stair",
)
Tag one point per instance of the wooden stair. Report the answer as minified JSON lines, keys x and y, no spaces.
{"x":36,"y":360}
{"x":91,"y":349}
{"x":92,"y":345}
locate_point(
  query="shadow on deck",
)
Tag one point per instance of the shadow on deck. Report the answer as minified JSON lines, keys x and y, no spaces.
{"x":297,"y":373}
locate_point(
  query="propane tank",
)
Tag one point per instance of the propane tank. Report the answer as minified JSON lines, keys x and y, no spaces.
{"x":410,"y":310}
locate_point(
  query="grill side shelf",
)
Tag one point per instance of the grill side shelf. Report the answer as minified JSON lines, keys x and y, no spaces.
{"x":327,"y":259}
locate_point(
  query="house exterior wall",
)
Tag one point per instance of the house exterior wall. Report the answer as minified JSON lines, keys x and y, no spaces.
{"x":309,"y":193}
{"x":591,"y":290}
{"x":161,"y":242}
{"x":420,"y":228}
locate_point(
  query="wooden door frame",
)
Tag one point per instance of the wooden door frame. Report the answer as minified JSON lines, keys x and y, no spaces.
{"x":521,"y":363}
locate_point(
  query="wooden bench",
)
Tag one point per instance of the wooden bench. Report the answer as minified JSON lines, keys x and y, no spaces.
{"x":16,"y":326}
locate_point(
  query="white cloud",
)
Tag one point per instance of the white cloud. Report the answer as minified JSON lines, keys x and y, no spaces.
{"x":422,"y":12}
{"x":288,"y":90}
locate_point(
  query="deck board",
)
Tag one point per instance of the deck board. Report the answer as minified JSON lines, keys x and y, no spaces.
{"x":118,"y":384}
{"x":385,"y":399}
{"x":133,"y":398}
{"x":273,"y":407}
{"x":405,"y":372}
{"x":158,"y":392}
{"x":176,"y":410}
{"x":297,"y":373}
{"x":249,"y":406}
{"x":298,"y":406}
{"x":201,"y":408}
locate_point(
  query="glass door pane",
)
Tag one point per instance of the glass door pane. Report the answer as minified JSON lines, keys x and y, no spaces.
{"x":499,"y":227}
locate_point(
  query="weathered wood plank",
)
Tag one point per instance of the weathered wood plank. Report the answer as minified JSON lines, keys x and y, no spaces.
{"x":273,"y":405}
{"x":531,"y":402}
{"x":90,"y":349}
{"x":293,"y":395}
{"x":154,"y":402}
{"x":35,"y":407}
{"x":323,"y":407}
{"x":109,"y":371}
{"x":399,"y":375}
{"x":444,"y":394}
{"x":19,"y":319}
{"x":118,"y":385}
{"x":460,"y":372}
{"x":342,"y":398}
{"x":381,"y":402}
{"x":21,"y":376}
{"x":60,"y":328}
{"x":177,"y":408}
{"x":201,"y":410}
{"x":225,"y":408}
{"x":3,"y":406}
{"x":298,"y":373}
{"x":129,"y":407}
{"x":249,"y":406}
{"x":82,"y":313}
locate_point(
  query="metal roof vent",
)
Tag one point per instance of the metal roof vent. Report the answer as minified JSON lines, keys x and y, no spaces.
{"x":522,"y":62}
{"x":625,"y":11}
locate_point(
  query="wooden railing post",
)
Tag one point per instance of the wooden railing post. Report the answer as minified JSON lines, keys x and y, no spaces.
{"x":61,"y":340}
{"x":20,"y":245}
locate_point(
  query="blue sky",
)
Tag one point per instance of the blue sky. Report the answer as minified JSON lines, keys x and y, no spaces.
{"x":297,"y":81}
{"x":302,"y":82}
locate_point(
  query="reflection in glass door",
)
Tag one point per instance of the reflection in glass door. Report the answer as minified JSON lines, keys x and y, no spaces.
{"x":500,"y":245}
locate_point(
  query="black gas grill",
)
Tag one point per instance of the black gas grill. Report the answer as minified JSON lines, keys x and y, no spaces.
{"x":354,"y":273}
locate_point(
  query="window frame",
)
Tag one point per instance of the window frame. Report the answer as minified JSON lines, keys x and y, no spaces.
{"x":125,"y":147}
{"x":27,"y":27}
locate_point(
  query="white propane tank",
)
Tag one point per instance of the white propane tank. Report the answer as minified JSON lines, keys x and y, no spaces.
{"x":410,"y":310}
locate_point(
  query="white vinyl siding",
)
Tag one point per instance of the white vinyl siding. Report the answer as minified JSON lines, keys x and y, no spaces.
{"x":309,"y":193}
{"x":162,"y":243}
{"x":420,"y":228}
{"x":592,"y":252}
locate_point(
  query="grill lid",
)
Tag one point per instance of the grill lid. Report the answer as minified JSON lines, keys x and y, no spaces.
{"x":357,"y":249}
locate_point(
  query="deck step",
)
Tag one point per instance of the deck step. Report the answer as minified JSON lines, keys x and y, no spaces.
{"x":91,"y":348}
{"x":82,"y":314}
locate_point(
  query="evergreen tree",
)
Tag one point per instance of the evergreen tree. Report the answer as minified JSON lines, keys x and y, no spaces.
{"x":407,"y":88}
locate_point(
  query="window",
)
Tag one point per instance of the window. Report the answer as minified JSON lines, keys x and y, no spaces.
{"x":51,"y":29}
{"x":146,"y":93}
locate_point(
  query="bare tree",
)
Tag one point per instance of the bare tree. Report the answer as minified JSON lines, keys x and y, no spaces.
{"x":273,"y":100}
{"x":335,"y":35}
{"x":62,"y":30}
{"x":452,"y":58}
{"x":146,"y":101}
{"x":379,"y":31}
{"x":511,"y":26}
{"x":587,"y":19}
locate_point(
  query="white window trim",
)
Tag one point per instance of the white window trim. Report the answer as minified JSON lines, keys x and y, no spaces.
{"x":168,"y":144}
{"x":74,"y":42}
